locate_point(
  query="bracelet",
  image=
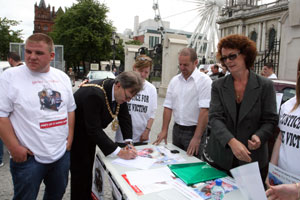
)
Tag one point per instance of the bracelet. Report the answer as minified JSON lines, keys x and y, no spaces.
{"x":298,"y":189}
{"x":148,"y":128}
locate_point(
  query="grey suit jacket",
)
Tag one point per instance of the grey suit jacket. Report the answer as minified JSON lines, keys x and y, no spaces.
{"x":257,"y":115}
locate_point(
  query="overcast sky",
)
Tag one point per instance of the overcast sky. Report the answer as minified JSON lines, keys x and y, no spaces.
{"x":121,"y":12}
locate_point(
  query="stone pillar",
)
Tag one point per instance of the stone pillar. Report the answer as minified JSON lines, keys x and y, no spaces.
{"x":240,"y":29}
{"x":294,"y":15}
{"x":263,"y":39}
{"x":173,"y":43}
{"x":130,"y":51}
{"x":290,"y":42}
{"x":247,"y":31}
{"x":278,"y":30}
{"x":259,"y":37}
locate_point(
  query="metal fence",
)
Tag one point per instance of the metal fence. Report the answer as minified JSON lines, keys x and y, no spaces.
{"x":58,"y":61}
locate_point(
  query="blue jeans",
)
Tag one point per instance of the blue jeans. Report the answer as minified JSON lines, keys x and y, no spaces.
{"x":1,"y":151}
{"x":27,"y":177}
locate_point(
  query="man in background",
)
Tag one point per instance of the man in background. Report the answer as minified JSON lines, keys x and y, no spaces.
{"x":72,"y":76}
{"x":268,"y":71}
{"x":215,"y":72}
{"x":14,"y":59}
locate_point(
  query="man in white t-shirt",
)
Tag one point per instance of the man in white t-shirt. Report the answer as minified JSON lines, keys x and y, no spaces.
{"x":37,"y":121}
{"x":188,"y":98}
{"x":268,"y":71}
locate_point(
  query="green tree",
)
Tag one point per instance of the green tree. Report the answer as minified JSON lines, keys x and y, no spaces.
{"x":85,"y":32}
{"x":8,"y":35}
{"x":120,"y":54}
{"x":134,"y":42}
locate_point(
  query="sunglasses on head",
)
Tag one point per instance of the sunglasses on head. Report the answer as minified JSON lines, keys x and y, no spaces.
{"x":230,"y":57}
{"x":143,"y":59}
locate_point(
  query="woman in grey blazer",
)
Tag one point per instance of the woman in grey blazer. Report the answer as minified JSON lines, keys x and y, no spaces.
{"x":242,"y":112}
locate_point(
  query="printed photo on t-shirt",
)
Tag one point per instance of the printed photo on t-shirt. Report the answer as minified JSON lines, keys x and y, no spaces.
{"x":50,"y":99}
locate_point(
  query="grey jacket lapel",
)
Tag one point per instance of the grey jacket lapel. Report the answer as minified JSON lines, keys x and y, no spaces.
{"x":250,"y":96}
{"x":229,"y":97}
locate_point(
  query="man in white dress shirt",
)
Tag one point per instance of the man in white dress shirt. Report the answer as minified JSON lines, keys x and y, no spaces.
{"x":188,"y":98}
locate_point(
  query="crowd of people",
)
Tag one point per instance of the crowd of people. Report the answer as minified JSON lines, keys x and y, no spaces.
{"x":235,"y":109}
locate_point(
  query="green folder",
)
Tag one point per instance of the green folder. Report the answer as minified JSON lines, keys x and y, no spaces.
{"x":192,"y":173}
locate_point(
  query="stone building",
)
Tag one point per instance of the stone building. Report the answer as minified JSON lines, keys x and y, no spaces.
{"x":44,"y":17}
{"x":260,"y":22}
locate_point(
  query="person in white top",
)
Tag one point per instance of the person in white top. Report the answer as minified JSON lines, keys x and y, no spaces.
{"x":142,"y":106}
{"x":37,"y":121}
{"x":188,"y":98}
{"x":286,"y":147}
{"x":268,"y":71}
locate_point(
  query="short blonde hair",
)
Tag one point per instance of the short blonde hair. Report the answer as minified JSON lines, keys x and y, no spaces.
{"x":143,"y":61}
{"x":41,"y":37}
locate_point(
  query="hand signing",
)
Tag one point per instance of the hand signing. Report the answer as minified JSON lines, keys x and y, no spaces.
{"x":128,"y":152}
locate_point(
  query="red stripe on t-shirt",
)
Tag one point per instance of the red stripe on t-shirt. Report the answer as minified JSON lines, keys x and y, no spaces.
{"x":55,"y":123}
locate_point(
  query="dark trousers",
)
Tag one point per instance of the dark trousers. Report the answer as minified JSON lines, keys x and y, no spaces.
{"x":82,"y":161}
{"x":182,"y":136}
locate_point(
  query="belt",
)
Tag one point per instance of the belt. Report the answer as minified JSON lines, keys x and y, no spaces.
{"x":185,"y":128}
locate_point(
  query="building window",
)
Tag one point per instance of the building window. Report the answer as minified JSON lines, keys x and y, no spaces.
{"x":153,"y":41}
{"x":231,"y":2}
{"x":38,"y":27}
{"x":272,"y":35}
{"x":45,"y":28}
{"x":253,"y":36}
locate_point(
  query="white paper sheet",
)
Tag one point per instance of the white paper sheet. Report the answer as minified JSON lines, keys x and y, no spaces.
{"x":146,"y":177}
{"x":248,"y":180}
{"x":139,"y":162}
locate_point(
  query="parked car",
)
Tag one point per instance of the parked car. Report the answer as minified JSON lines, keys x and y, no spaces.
{"x":3,"y":66}
{"x":287,"y":88}
{"x":96,"y":75}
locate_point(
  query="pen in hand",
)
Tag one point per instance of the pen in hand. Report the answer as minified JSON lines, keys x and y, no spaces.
{"x":130,"y":148}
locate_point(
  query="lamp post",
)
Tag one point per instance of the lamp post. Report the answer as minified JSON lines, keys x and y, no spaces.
{"x":114,"y":40}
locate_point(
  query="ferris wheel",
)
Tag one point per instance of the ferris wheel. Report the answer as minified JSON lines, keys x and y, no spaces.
{"x":207,"y":29}
{"x":206,"y":34}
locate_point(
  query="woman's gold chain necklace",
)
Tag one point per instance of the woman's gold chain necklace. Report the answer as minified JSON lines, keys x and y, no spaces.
{"x":115,"y":123}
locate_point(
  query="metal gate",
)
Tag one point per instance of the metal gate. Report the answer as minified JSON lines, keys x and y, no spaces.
{"x":269,"y":56}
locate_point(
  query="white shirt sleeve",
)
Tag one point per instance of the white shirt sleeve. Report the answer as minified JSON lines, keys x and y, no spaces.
{"x":115,"y":153}
{"x":170,"y":90}
{"x":6,"y":105}
{"x":204,"y":89}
